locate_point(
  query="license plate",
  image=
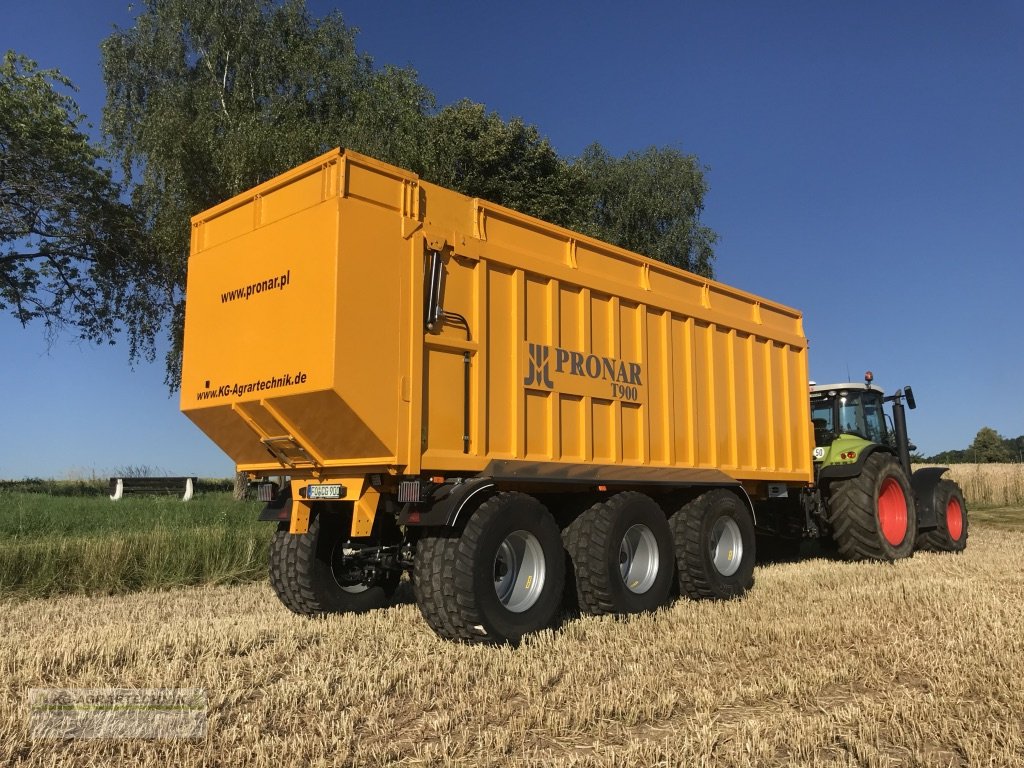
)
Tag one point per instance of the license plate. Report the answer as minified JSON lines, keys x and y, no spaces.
{"x":323,"y":491}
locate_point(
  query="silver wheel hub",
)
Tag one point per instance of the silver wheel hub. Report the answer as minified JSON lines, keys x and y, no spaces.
{"x":519,"y":571}
{"x":639,"y":559}
{"x":726,"y":546}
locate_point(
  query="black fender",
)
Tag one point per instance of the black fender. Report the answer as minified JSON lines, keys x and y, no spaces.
{"x":924,"y":482}
{"x":450,"y":504}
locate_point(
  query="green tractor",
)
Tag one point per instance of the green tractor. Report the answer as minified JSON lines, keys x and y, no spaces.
{"x":867,"y":498}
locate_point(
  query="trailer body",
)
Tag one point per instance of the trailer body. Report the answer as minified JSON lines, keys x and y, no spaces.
{"x":307,"y":351}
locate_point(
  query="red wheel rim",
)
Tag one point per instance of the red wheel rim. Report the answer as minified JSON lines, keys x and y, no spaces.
{"x":892,"y":512}
{"x":954,"y":519}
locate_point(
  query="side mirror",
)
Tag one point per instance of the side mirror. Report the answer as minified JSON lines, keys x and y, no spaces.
{"x":909,"y":394}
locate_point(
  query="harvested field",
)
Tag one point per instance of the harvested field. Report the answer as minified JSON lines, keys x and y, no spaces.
{"x":824,"y":663}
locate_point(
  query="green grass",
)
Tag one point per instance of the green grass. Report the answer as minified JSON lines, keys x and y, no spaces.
{"x":53,"y":545}
{"x":60,"y":544}
{"x":36,"y":515}
{"x":1007,"y":518}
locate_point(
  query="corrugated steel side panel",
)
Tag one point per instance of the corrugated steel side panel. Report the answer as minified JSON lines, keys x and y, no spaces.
{"x":587,"y":353}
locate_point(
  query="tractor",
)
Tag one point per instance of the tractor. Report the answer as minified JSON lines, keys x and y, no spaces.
{"x":866,"y":496}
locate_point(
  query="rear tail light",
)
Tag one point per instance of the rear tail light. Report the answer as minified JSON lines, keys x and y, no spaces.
{"x":409,"y":491}
{"x":266,"y":491}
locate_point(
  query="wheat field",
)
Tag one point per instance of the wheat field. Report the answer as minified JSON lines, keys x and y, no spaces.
{"x":989,"y":485}
{"x":824,"y":663}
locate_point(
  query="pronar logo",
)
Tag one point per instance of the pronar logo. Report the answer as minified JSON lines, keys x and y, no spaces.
{"x":539,"y":372}
{"x":566,"y":370}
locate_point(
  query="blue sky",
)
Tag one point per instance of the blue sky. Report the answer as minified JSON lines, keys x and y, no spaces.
{"x":865,"y":159}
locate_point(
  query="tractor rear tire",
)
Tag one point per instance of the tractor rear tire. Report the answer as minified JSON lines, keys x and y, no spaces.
{"x":951,"y":510}
{"x":872,"y":515}
{"x":715,"y":546}
{"x":502,"y":578}
{"x":622,"y":555}
{"x":307,"y":570}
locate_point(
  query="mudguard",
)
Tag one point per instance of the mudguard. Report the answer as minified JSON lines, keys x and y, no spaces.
{"x":450,"y":503}
{"x":924,"y":482}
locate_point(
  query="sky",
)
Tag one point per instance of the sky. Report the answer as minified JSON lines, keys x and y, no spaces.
{"x":865,"y":163}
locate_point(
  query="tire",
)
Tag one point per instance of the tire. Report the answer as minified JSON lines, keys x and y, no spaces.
{"x":433,"y":577}
{"x":707,"y":532}
{"x":872,"y":515}
{"x":951,"y":511}
{"x":309,"y":572}
{"x":622,"y":555}
{"x":502,"y":578}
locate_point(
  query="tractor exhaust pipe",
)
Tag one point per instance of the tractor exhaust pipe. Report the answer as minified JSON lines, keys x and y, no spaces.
{"x":899,"y":421}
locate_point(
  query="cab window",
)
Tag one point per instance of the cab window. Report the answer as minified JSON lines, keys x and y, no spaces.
{"x":821,"y":418}
{"x":860,"y":413}
{"x":874,"y":417}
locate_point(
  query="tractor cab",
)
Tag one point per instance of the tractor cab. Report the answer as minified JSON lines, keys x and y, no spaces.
{"x":850,"y":422}
{"x":848,"y":409}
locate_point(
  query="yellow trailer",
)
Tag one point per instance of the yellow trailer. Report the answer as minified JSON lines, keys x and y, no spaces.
{"x":469,"y":393}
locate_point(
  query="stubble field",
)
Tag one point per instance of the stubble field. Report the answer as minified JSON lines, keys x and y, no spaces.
{"x":824,"y":663}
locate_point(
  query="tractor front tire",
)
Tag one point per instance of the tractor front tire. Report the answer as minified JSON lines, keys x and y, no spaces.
{"x":872,"y":515}
{"x":951,"y":510}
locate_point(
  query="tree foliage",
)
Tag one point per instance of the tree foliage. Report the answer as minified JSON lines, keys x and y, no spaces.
{"x":988,"y":447}
{"x":479,"y":154}
{"x":68,"y":244}
{"x":206,"y":98}
{"x":650,"y":202}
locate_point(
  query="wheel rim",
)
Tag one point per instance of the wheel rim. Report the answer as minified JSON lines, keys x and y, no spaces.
{"x":892,"y":512}
{"x":954,"y":519}
{"x":639,"y":559}
{"x":726,"y":546}
{"x":519,"y":571}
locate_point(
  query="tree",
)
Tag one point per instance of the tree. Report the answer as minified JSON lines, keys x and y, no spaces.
{"x":206,"y":98}
{"x":650,"y":202}
{"x":68,"y":244}
{"x":479,"y":154}
{"x":988,"y":447}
